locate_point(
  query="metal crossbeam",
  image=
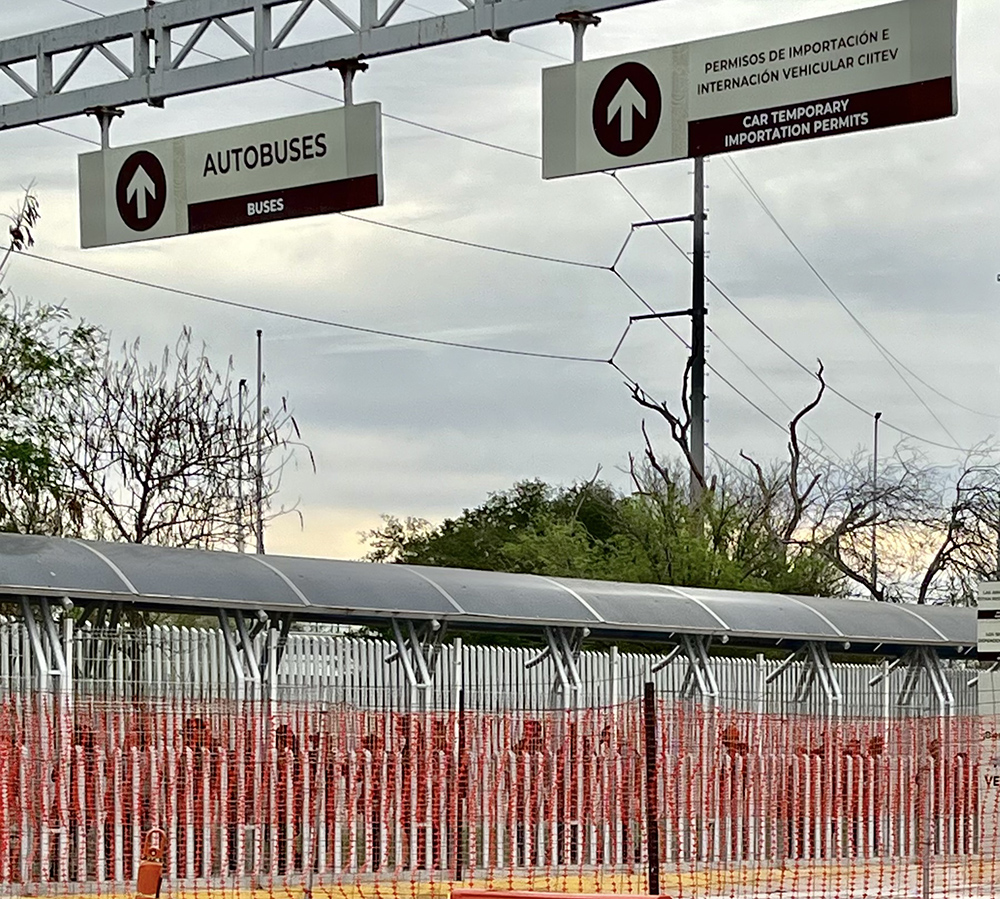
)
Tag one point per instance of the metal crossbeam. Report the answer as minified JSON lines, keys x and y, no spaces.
{"x":164,"y":60}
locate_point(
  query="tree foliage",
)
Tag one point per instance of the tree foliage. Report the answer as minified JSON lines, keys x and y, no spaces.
{"x":803,"y":524}
{"x":46,"y":363}
{"x":590,"y":530}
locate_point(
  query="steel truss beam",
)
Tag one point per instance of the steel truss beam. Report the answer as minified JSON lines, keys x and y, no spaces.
{"x":418,"y":650}
{"x":150,"y":53}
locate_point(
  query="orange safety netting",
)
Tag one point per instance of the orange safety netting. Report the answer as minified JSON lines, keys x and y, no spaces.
{"x":304,"y":799}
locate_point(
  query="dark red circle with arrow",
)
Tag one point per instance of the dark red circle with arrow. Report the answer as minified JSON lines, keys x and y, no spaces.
{"x":627,"y":107}
{"x":141,"y":191}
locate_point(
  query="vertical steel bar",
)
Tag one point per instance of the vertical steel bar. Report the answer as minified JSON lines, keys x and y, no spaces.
{"x":652,"y":818}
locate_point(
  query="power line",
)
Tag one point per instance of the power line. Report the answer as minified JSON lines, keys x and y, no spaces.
{"x":687,"y":345}
{"x":783,"y":428}
{"x":886,"y":353}
{"x":826,"y":446}
{"x":86,"y":140}
{"x":395,"y":335}
{"x":479,"y":246}
{"x":457,"y":241}
{"x":295,"y":316}
{"x":791,"y":357}
{"x":406,"y":230}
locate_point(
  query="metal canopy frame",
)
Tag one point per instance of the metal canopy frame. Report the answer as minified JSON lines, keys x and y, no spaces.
{"x":261,"y":670}
{"x":48,"y":657}
{"x":699,"y":677}
{"x":564,"y":644}
{"x":816,"y":668}
{"x":418,"y":650}
{"x":157,"y":63}
{"x":921,"y":662}
{"x":107,"y":578}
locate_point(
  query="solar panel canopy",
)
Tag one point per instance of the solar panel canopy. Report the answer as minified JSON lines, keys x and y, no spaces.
{"x":186,"y":580}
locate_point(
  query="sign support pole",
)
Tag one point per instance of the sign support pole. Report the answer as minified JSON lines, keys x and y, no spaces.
{"x":348,"y":68}
{"x":698,"y":313}
{"x":578,"y":21}
{"x":105,"y":116}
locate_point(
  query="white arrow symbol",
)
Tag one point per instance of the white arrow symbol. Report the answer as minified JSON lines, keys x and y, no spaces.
{"x":626,"y":103}
{"x":139,"y":187}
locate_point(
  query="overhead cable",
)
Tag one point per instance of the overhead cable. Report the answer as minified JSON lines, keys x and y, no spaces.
{"x":884,"y":351}
{"x":295,"y":316}
{"x":778,"y":346}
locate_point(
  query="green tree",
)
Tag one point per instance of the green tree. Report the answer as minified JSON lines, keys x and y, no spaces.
{"x":591,"y":531}
{"x":46,"y":363}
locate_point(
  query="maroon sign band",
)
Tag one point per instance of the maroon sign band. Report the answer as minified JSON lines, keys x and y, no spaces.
{"x":863,"y":111}
{"x":277,"y":205}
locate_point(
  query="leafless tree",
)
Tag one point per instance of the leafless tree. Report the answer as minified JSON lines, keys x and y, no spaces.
{"x":680,"y":427}
{"x":159,"y":454}
{"x":936,"y":529}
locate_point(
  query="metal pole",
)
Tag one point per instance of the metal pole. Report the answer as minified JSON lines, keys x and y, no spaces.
{"x":928,"y":843}
{"x":460,"y":782}
{"x":260,"y":450}
{"x":240,"y":537}
{"x":698,"y":312}
{"x":652,"y":822}
{"x":878,"y":415}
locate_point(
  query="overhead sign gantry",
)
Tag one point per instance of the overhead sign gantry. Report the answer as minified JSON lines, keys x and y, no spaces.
{"x":155,"y":51}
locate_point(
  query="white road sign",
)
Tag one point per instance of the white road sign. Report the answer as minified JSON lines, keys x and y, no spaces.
{"x":312,"y":164}
{"x":853,"y":71}
{"x":988,"y":621}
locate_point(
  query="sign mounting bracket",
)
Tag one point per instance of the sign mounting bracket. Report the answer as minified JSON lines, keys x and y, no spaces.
{"x":105,"y":116}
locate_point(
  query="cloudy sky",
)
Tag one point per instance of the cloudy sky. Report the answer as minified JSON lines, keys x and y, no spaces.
{"x":899,"y":223}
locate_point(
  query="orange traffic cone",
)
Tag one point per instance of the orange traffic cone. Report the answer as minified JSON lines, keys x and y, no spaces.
{"x":147,"y":882}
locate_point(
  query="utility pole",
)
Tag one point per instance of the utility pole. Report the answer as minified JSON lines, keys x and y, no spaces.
{"x":240,"y":393}
{"x":260,"y":450}
{"x":698,"y":312}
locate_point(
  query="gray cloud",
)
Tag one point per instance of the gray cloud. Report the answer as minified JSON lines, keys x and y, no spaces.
{"x":901,"y":222}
